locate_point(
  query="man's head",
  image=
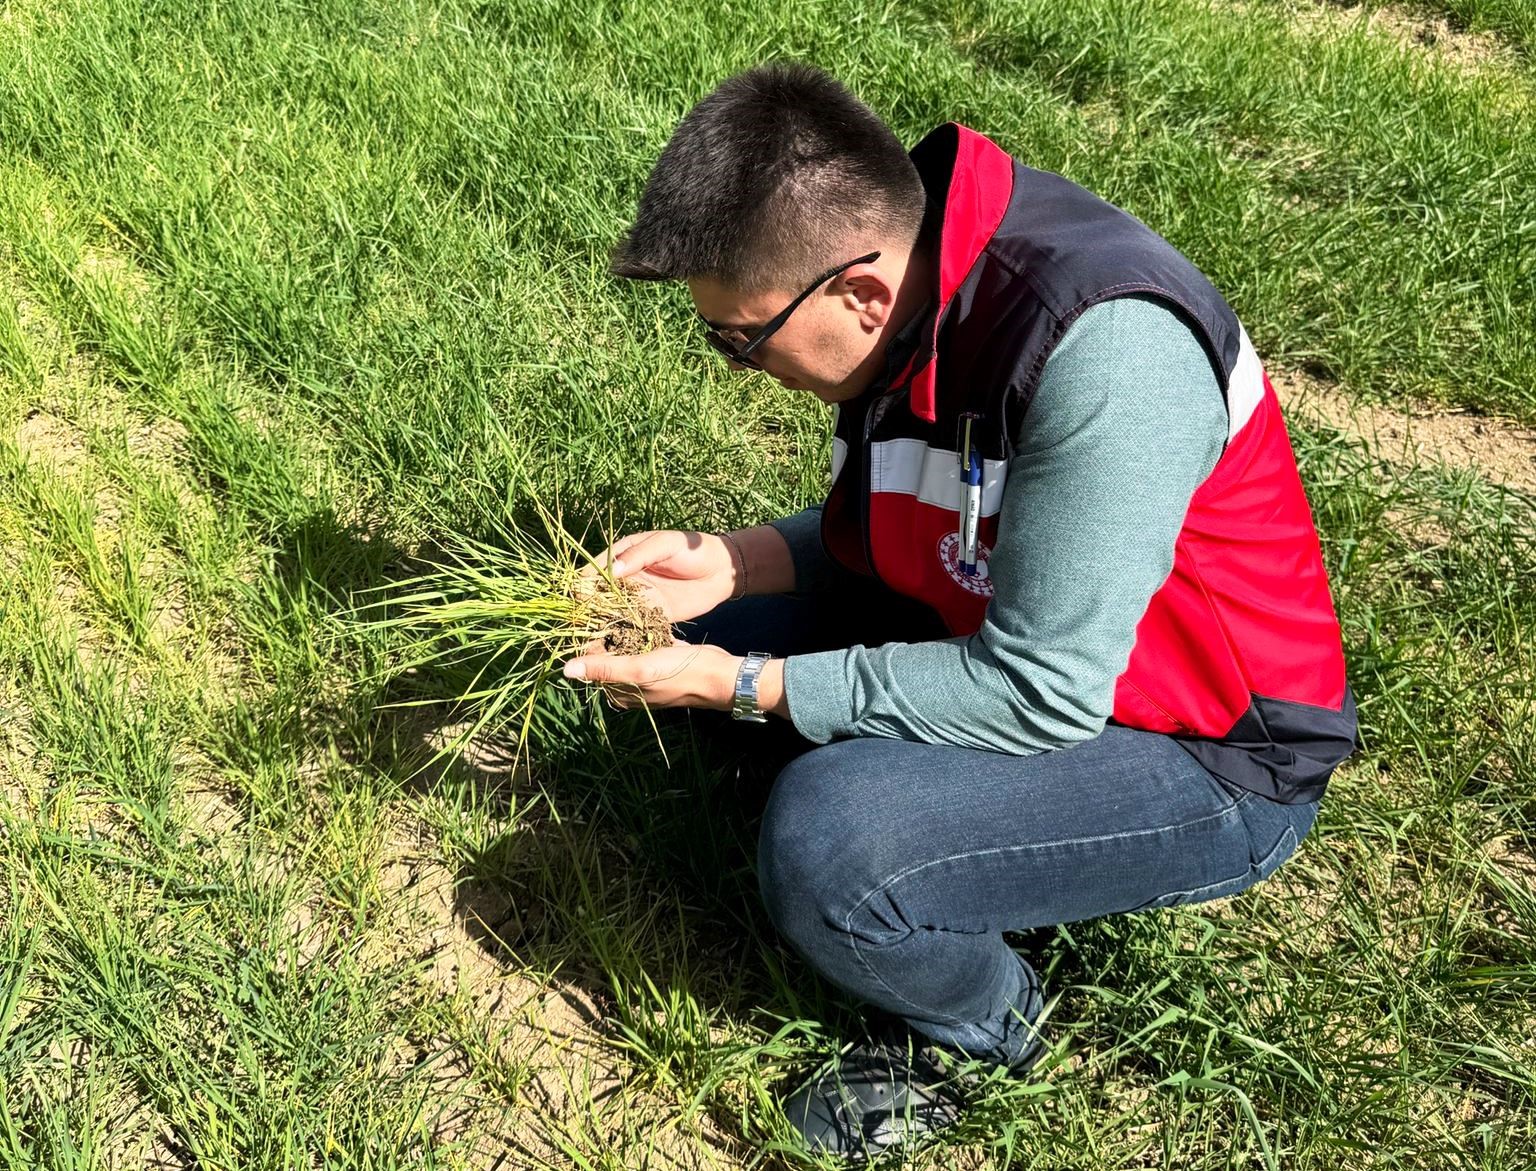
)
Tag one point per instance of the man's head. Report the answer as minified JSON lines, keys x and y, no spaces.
{"x":775,"y":178}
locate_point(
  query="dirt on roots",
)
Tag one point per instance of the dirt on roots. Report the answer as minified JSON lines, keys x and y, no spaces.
{"x":631,"y":623}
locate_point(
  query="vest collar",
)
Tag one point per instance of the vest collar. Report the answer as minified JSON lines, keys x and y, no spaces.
{"x":971,"y":179}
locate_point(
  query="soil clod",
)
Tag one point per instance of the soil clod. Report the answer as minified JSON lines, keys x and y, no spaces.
{"x":634,"y":625}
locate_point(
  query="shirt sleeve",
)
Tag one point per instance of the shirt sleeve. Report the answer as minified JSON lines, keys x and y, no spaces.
{"x":1126,"y":423}
{"x":814,"y":567}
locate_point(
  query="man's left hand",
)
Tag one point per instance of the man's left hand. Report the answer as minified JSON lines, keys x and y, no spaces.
{"x":682,"y":675}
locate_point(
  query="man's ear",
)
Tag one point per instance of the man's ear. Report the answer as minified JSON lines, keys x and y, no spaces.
{"x":867,"y":290}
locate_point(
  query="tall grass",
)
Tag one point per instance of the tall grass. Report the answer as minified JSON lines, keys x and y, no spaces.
{"x":501,"y":618}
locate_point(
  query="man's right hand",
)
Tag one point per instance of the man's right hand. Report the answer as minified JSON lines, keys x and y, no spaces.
{"x":685,"y":573}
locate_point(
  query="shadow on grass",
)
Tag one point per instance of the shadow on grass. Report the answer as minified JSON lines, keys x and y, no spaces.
{"x":604,"y":828}
{"x":602,"y":790}
{"x":631,"y":883}
{"x":625,"y":866}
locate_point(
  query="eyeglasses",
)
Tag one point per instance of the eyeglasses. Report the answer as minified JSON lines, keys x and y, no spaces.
{"x":736,"y":347}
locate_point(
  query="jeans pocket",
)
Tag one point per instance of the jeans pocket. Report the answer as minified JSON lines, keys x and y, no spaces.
{"x":1278,"y":853}
{"x":1267,"y":851}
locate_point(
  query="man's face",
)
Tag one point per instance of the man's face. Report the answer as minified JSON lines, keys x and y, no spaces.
{"x":833,"y":343}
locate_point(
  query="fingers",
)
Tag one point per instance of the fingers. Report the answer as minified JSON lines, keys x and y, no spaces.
{"x":621,"y":697}
{"x":625,"y":544}
{"x":619,"y":559}
{"x":670,"y":677}
{"x":644,"y":550}
{"x":597,"y":666}
{"x":611,"y":672}
{"x":640,"y":670}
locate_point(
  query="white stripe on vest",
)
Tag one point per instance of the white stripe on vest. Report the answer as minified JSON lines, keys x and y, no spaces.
{"x":933,"y":475}
{"x":911,"y":467}
{"x":1245,"y":386}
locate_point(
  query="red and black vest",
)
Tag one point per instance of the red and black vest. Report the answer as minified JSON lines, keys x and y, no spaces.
{"x":1238,"y":655}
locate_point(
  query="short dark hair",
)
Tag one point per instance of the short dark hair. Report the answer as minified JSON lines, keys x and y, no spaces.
{"x":766,"y":179}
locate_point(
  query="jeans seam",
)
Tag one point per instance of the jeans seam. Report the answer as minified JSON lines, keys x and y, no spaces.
{"x":911,"y":870}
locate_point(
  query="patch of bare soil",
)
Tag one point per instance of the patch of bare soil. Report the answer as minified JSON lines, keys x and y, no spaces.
{"x":1430,"y":32}
{"x":1433,"y":32}
{"x":538,"y":1072}
{"x":1511,"y":855}
{"x":1459,"y":47}
{"x":1497,"y":449}
{"x":112,"y":270}
{"x":489,"y":762}
{"x":18,"y":755}
{"x":73,"y":1069}
{"x":51,"y":441}
{"x":211,"y":812}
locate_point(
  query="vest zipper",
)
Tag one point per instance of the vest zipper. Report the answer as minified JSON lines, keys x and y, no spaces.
{"x":869,"y":472}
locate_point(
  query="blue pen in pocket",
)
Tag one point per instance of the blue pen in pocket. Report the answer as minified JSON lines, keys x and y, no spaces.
{"x":970,"y":505}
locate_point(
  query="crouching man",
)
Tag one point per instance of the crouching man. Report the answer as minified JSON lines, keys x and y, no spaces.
{"x":1060,"y":638}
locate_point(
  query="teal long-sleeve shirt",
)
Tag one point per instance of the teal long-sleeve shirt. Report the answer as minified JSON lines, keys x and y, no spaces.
{"x":1127,"y":421}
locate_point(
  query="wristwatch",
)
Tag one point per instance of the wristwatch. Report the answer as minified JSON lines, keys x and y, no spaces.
{"x":744,"y":704}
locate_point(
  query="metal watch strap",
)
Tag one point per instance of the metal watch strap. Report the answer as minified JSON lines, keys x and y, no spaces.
{"x":744,"y":704}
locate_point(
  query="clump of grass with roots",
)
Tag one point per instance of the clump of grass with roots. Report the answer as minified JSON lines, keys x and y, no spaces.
{"x":511,"y":610}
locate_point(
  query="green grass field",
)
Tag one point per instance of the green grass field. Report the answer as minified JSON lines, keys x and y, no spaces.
{"x":287,"y":290}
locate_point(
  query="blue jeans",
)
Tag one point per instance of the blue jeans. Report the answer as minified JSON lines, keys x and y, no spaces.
{"x":895,"y":867}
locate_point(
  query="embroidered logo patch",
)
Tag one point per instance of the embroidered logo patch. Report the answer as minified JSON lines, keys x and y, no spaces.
{"x":949,"y":557}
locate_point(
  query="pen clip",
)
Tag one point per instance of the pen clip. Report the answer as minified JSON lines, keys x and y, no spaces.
{"x":964,"y":436}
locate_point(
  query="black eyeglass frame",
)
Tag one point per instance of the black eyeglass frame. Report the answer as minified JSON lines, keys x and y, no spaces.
{"x":743,"y":355}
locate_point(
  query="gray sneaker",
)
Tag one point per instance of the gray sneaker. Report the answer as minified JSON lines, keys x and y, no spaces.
{"x":886,"y":1091}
